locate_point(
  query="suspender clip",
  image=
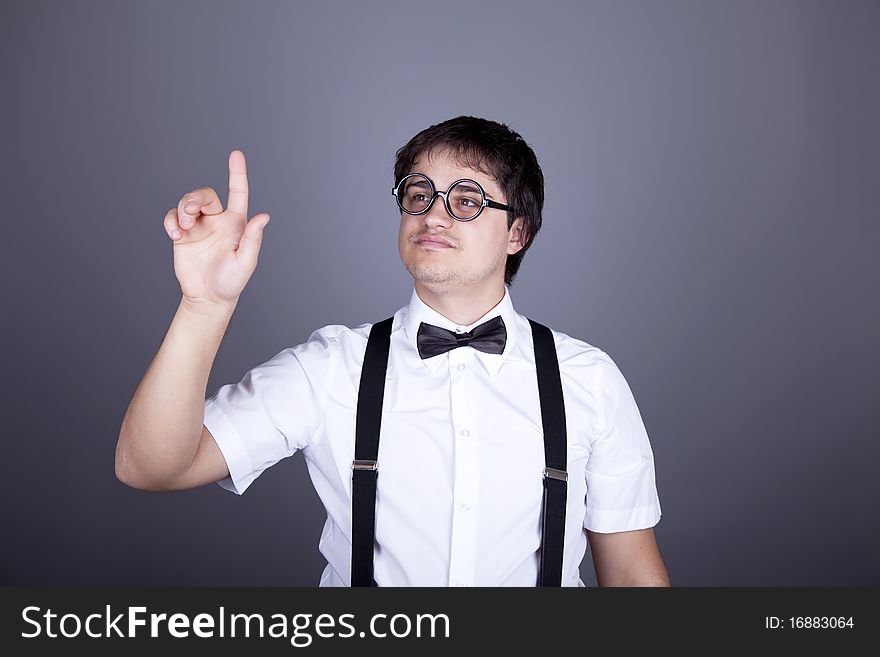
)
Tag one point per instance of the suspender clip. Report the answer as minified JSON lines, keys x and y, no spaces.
{"x":553,"y":473}
{"x":364,"y":465}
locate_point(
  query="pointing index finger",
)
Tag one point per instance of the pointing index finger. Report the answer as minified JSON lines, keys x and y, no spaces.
{"x":238,"y":183}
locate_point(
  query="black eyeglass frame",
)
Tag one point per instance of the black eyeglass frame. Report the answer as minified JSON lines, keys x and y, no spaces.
{"x":487,"y":203}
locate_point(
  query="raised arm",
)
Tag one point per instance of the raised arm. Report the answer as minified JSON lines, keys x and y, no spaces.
{"x":163,"y":443}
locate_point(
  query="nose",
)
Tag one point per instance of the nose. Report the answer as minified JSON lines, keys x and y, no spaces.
{"x":437,"y":214}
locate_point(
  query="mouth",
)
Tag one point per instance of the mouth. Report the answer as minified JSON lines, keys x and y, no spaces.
{"x":427,"y":242}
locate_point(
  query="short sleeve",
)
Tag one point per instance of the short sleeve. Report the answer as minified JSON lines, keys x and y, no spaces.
{"x":274,"y":410}
{"x":621,"y":487}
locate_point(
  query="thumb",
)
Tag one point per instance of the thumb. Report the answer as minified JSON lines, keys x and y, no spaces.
{"x":251,"y":240}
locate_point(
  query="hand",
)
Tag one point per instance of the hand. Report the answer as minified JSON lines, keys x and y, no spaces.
{"x":215,"y":250}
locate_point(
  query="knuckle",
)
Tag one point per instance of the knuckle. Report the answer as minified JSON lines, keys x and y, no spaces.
{"x":193,"y":195}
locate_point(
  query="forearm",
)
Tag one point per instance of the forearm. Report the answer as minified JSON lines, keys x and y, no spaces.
{"x":163,"y":424}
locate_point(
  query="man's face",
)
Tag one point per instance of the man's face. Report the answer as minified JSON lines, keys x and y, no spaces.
{"x":478,"y":249}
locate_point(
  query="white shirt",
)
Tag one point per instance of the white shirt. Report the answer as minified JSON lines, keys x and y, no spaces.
{"x":461,"y":453}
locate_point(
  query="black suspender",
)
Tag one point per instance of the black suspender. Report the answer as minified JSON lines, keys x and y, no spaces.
{"x":555,"y":446}
{"x":364,"y":469}
{"x":366,"y":451}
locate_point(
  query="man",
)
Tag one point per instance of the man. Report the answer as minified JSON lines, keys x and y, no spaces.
{"x":452,"y":494}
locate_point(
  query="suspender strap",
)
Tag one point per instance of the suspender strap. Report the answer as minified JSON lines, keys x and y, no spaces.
{"x":555,"y":445}
{"x":366,"y":453}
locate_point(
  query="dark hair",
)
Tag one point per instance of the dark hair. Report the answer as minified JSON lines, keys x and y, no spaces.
{"x":497,"y":151}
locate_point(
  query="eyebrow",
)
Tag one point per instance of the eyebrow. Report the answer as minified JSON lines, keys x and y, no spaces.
{"x":469,"y":187}
{"x":418,"y":183}
{"x":423,"y":183}
{"x":488,"y":195}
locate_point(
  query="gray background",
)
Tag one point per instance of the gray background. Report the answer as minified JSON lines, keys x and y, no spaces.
{"x":712,"y":186}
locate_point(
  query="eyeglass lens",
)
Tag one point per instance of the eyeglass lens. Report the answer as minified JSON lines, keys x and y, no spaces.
{"x":464,"y":200}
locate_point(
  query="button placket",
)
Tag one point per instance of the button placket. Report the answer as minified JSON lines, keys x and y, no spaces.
{"x":466,"y":469}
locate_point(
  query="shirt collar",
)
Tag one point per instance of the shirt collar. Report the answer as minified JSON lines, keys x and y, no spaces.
{"x":418,"y":311}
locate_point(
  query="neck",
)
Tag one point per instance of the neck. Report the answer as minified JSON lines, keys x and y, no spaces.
{"x":462,"y":306}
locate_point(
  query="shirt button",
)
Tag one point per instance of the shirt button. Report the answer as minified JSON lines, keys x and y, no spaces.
{"x":465,"y":433}
{"x":461,"y":367}
{"x":465,"y":507}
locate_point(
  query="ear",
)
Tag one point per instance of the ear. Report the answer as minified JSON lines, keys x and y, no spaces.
{"x":515,"y":236}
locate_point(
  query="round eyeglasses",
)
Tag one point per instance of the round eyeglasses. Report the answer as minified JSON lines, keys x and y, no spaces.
{"x":464,"y":200}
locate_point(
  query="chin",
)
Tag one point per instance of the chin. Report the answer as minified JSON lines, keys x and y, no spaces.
{"x":432,"y":274}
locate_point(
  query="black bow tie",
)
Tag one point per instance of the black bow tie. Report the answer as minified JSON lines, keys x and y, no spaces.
{"x":489,"y":336}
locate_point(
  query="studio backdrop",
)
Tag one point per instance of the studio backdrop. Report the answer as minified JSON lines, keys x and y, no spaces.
{"x":711,"y":222}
